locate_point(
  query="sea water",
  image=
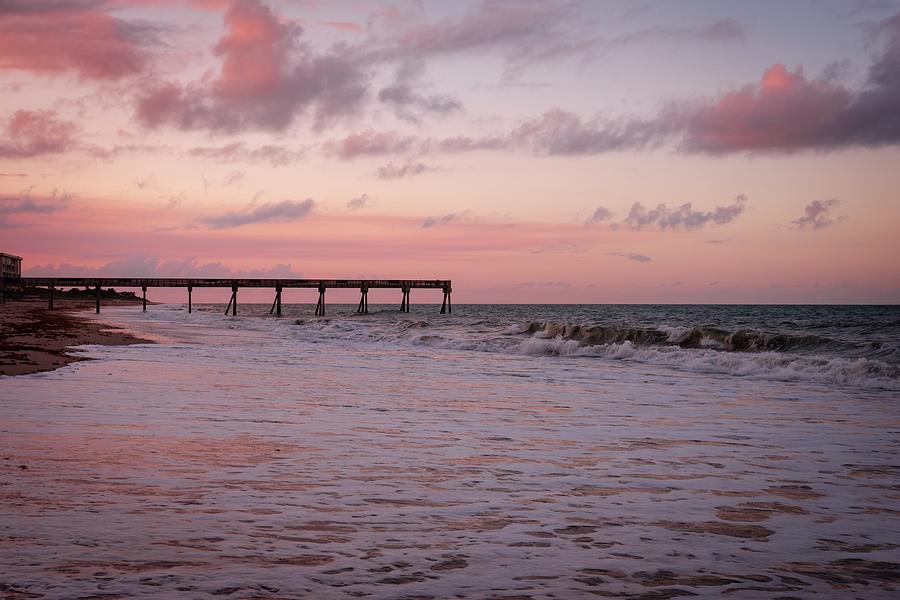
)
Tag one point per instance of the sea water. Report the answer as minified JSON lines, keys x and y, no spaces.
{"x":501,"y":451}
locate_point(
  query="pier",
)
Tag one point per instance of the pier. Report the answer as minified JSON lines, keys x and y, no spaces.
{"x":278,"y":285}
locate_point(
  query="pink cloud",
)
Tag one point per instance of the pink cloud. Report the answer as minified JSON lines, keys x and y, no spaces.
{"x":36,"y":133}
{"x":785,"y":111}
{"x":52,"y":37}
{"x":275,"y":155}
{"x":266,"y":79}
{"x":371,"y":143}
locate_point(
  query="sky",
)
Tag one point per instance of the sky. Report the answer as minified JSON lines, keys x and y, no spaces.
{"x":532,"y":152}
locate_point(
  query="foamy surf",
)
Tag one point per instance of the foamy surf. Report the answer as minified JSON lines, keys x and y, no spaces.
{"x":818,"y":345}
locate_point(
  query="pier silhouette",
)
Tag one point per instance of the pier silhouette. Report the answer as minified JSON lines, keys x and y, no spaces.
{"x":279,"y":285}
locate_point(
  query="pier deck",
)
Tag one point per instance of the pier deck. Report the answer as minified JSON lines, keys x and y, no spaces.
{"x":364,"y":285}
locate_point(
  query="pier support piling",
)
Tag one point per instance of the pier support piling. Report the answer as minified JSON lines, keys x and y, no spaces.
{"x":144,"y":290}
{"x":363,"y":300}
{"x":232,"y":304}
{"x":446,"y":306}
{"x":97,"y":293}
{"x":276,"y":304}
{"x":190,"y":289}
{"x":50,"y":297}
{"x":320,"y":307}
{"x":404,"y":304}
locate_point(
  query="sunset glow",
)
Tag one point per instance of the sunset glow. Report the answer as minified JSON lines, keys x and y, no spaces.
{"x":531,"y":152}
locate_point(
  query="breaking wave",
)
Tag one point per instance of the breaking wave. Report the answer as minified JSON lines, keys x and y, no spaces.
{"x":869,"y":358}
{"x":743,"y":353}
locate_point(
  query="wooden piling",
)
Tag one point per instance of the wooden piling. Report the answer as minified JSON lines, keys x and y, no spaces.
{"x":190,"y":289}
{"x":144,"y":290}
{"x":97,"y":293}
{"x":320,"y":307}
{"x":446,"y":306}
{"x":404,"y":305}
{"x":276,"y":303}
{"x":50,"y":289}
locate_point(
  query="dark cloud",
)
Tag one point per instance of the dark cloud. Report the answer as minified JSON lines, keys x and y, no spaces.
{"x":392,"y":171}
{"x":817,"y":215}
{"x":445,"y":219}
{"x":286,"y":210}
{"x":632,"y":256}
{"x":684,"y":216}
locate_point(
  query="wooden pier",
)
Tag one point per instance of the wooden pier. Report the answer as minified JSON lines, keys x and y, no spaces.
{"x":279,"y":285}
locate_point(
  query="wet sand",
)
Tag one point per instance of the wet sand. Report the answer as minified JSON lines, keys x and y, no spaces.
{"x":34,"y":339}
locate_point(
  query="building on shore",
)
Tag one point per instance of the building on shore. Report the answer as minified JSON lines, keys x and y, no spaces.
{"x":10,"y":266}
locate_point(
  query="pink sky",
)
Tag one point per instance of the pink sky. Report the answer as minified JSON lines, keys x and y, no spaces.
{"x":532,"y":152}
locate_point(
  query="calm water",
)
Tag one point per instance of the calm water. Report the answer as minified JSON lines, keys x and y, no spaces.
{"x":504,"y":451}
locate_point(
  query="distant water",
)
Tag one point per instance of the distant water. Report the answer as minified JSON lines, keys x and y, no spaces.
{"x":844,"y":345}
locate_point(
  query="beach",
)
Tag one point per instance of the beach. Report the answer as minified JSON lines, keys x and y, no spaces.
{"x":33,"y":339}
{"x":350,"y":456}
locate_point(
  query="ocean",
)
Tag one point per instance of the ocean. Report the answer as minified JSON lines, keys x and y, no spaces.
{"x":503,"y":451}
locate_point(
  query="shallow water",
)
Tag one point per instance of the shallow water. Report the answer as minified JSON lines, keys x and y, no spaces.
{"x":353,"y":457}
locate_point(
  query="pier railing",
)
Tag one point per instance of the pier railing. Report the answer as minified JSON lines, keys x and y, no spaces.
{"x":364,"y":285}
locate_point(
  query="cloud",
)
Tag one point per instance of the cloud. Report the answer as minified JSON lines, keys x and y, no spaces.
{"x":601,"y":213}
{"x":371,"y":143}
{"x":632,"y":256}
{"x":234,"y":177}
{"x":787,"y":111}
{"x":149,"y":266}
{"x":817,"y":215}
{"x":558,"y":132}
{"x":410,"y":105}
{"x":529,"y":32}
{"x":684,"y":216}
{"x":26,"y":205}
{"x":344,"y":26}
{"x":36,"y":133}
{"x":358,"y":202}
{"x":267,"y":78}
{"x":275,"y":155}
{"x":392,"y":171}
{"x":445,"y":219}
{"x":286,"y":210}
{"x":51,"y":36}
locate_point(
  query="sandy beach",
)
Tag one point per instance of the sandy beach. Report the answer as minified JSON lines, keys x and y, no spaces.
{"x":34,"y":339}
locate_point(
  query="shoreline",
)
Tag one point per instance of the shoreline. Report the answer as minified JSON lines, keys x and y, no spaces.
{"x":35,"y":340}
